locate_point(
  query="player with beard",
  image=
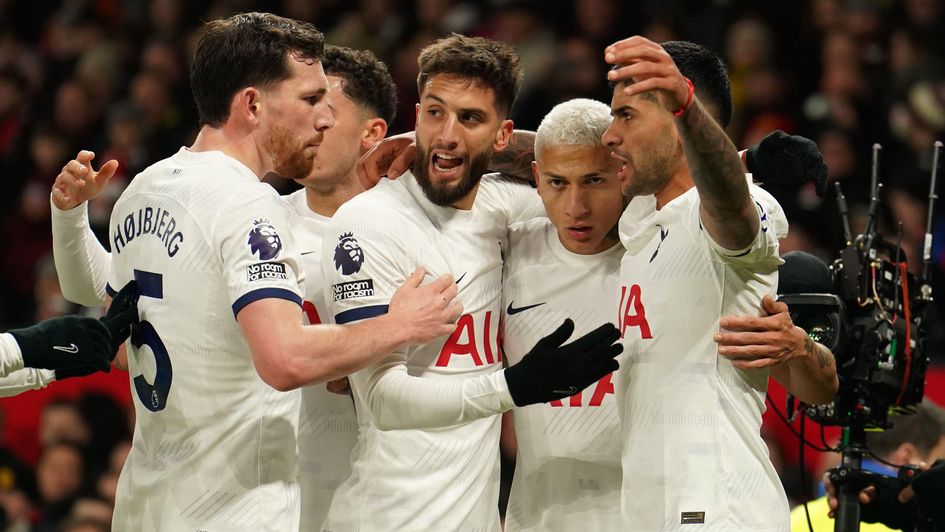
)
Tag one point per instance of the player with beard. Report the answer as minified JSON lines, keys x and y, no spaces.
{"x":214,"y":443}
{"x":427,"y":453}
{"x":362,"y":98}
{"x":701,"y":243}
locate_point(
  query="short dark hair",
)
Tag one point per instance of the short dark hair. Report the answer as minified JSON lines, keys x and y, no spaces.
{"x":366,"y":79}
{"x":924,"y":429}
{"x":246,"y":50}
{"x":493,"y":63}
{"x":708,"y":73}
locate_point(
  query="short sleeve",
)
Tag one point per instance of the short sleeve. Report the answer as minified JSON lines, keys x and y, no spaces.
{"x":363,"y":263}
{"x":260,"y":258}
{"x":763,"y":251}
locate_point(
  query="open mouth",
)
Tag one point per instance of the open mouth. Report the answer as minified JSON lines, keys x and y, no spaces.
{"x":579,"y":232}
{"x":446,"y":164}
{"x":622,"y":173}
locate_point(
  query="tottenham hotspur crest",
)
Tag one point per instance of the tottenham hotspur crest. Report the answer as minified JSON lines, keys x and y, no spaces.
{"x":348,"y":255}
{"x":264,"y":240}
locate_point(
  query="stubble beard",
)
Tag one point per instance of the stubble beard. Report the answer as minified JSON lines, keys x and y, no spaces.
{"x":290,"y":158}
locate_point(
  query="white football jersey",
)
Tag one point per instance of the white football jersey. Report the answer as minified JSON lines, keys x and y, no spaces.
{"x":328,"y":427}
{"x":425,"y":461}
{"x":214,"y":446}
{"x":567,"y":472}
{"x":693,"y":457}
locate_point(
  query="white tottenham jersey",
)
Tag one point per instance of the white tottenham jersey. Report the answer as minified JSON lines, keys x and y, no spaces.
{"x":214,"y":446}
{"x":693,"y":457}
{"x":426,"y":459}
{"x":328,"y":427}
{"x":567,"y":472}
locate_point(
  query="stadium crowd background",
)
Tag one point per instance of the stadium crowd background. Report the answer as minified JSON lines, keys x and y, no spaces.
{"x":111,"y":76}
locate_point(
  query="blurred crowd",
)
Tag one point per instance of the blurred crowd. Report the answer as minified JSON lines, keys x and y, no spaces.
{"x":112,"y":76}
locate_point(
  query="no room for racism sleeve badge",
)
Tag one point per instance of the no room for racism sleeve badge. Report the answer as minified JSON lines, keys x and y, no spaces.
{"x":264,"y":240}
{"x":349,"y":257}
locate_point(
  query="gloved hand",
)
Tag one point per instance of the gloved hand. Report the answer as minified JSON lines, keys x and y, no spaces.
{"x":64,"y":343}
{"x":929,"y":486}
{"x":74,"y":345}
{"x":122,"y":314}
{"x":783,"y":158}
{"x":553,"y":371}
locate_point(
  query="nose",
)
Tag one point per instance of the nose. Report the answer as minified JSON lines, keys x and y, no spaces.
{"x":576,"y":203}
{"x":610,"y":138}
{"x":448,"y":133}
{"x":324,"y":119}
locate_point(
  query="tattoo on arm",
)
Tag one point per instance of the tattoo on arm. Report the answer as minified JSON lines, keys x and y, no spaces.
{"x":516,"y":159}
{"x":824,"y":357}
{"x":719,"y":175}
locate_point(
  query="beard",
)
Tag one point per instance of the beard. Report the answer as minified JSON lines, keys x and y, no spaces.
{"x":291,"y":160}
{"x":446,"y":194}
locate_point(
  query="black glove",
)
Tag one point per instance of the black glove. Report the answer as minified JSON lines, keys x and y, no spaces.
{"x":929,"y":487}
{"x":67,"y":342}
{"x":886,"y":508}
{"x":783,"y":158}
{"x":553,"y":371}
{"x":122,"y":314}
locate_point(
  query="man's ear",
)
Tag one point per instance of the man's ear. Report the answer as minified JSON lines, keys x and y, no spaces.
{"x":503,"y":135}
{"x":372,"y":131}
{"x":536,"y":174}
{"x":246,"y":105}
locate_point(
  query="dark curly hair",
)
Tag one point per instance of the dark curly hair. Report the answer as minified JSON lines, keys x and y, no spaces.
{"x":366,"y":80}
{"x":493,"y":63}
{"x":246,"y":50}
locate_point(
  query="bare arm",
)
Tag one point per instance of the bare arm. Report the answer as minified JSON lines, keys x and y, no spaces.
{"x":516,"y":159}
{"x":727,"y":211}
{"x":805,"y":368}
{"x":288,"y":354}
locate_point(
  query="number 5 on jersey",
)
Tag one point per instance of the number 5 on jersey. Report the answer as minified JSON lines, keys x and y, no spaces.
{"x":153,"y":396}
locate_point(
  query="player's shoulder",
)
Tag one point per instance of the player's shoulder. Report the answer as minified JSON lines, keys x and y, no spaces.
{"x":496,"y":186}
{"x":387,"y":202}
{"x":529,"y":231}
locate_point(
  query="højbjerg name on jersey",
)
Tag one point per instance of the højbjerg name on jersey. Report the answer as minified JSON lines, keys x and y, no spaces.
{"x":348,"y":255}
{"x":264,"y":240}
{"x":153,"y":221}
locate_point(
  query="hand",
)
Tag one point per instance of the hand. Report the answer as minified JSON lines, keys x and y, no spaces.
{"x":865,"y":496}
{"x":391,"y":157}
{"x":783,"y":158}
{"x":78,"y":182}
{"x":553,"y":371}
{"x":69,"y":342}
{"x":760,"y":342}
{"x":339,"y":386}
{"x":122,"y":314}
{"x":646,"y":66}
{"x":425,"y":312}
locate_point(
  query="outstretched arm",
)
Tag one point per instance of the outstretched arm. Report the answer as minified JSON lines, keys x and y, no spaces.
{"x":81,"y":261}
{"x":727,"y":210}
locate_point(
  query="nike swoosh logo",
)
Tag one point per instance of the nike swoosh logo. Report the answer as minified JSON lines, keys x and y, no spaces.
{"x":461,"y":277}
{"x":571,"y":390}
{"x":73,"y":349}
{"x":511,"y":310}
{"x":307,"y":252}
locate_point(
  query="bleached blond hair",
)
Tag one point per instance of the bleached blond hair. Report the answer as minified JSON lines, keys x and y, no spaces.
{"x":577,"y":122}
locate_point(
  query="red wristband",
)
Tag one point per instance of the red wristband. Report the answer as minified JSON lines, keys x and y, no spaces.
{"x":692,"y":90}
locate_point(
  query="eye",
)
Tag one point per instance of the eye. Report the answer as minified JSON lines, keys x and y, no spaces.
{"x":555,"y":182}
{"x":594,"y":180}
{"x":433,"y":111}
{"x":312,"y":100}
{"x":470,"y":117}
